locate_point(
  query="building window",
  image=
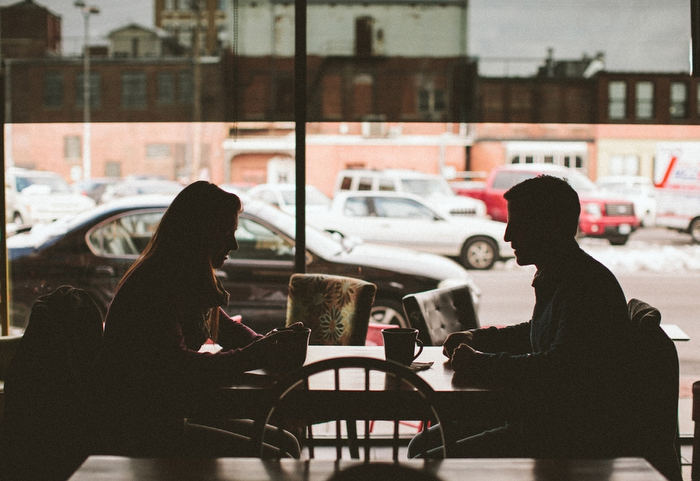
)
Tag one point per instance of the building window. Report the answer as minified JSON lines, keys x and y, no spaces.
{"x":53,"y":90}
{"x":617,"y":100}
{"x":169,"y":5}
{"x":185,"y":92}
{"x":72,"y":149}
{"x":431,"y":101}
{"x":679,"y":100}
{"x":95,"y":100}
{"x":624,"y":165}
{"x":113,"y":169}
{"x":222,"y":5}
{"x":157,"y":151}
{"x":644,"y":100}
{"x":133,"y":90}
{"x":166,"y":88}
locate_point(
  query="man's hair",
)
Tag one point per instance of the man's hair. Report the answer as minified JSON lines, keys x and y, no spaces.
{"x":549,"y":201}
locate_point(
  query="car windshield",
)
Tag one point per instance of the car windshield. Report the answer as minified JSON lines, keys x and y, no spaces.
{"x":427,"y":187}
{"x":313,"y":197}
{"x":56,"y":185}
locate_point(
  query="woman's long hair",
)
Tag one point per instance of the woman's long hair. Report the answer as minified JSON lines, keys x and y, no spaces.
{"x":181,"y":246}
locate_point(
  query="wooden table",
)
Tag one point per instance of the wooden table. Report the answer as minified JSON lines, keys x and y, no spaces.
{"x":454,"y":398}
{"x":248,"y":469}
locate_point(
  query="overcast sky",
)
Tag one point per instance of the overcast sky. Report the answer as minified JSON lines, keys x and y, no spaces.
{"x":635,"y":35}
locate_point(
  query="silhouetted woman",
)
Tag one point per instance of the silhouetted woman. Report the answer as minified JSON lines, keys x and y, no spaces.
{"x":166,"y":307}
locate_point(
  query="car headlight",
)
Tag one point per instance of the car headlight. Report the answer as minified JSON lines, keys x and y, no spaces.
{"x":593,"y":209}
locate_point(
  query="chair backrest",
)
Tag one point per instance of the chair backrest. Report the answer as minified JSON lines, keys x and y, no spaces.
{"x":49,"y":386}
{"x":658,"y":368}
{"x":439,"y":312}
{"x":8,"y":347}
{"x":695,"y":466}
{"x":335,"y":308}
{"x":347,"y":389}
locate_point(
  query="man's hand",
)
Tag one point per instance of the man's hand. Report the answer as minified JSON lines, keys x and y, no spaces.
{"x":454,"y":340}
{"x":461,"y":357}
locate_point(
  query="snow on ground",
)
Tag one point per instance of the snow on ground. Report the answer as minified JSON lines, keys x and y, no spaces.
{"x":645,"y":257}
{"x":638,"y":255}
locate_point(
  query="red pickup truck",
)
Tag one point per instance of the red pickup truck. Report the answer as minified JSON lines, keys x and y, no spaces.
{"x":602,"y":215}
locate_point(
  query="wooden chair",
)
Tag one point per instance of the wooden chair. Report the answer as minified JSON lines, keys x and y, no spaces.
{"x":658,"y":367}
{"x":438,"y":312}
{"x":336,"y":390}
{"x":336,"y":308}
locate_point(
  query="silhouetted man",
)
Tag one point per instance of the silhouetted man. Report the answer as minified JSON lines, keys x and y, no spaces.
{"x":567,"y":368}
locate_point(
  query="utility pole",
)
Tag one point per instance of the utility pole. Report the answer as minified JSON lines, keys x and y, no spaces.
{"x":197,"y":94}
{"x":86,"y":10}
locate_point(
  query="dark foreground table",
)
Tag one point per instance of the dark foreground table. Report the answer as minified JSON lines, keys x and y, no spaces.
{"x":110,"y":468}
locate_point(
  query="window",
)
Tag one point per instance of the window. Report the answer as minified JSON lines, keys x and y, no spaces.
{"x":113,"y":169}
{"x":356,"y":207}
{"x":401,"y":208}
{"x":386,"y":185}
{"x":186,"y":87}
{"x":617,"y":100}
{"x":644,"y":100}
{"x":679,"y":100}
{"x":431,"y":100}
{"x":133,"y":90}
{"x":346,"y":183}
{"x":157,"y":151}
{"x":71,"y":147}
{"x":127,"y":235}
{"x":95,"y":81}
{"x":166,"y":88}
{"x":624,"y":165}
{"x":365,"y":183}
{"x":257,"y":242}
{"x":53,"y":90}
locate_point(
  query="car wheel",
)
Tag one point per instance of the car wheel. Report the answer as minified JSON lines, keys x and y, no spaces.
{"x":695,"y":230}
{"x":479,"y":253}
{"x":386,"y":311}
{"x":619,"y":240}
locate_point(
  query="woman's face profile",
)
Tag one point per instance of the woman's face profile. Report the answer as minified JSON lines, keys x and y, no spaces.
{"x":224,"y":242}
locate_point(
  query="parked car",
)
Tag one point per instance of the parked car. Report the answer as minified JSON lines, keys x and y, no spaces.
{"x":637,"y":189}
{"x":603,"y":215}
{"x":141,"y":186}
{"x":283,"y":196}
{"x":95,"y":187}
{"x":94,"y":249}
{"x":33,"y":196}
{"x":406,"y":220}
{"x":431,"y":187}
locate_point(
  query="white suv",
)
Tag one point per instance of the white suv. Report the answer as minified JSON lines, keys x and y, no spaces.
{"x":33,"y":196}
{"x":433,"y":188}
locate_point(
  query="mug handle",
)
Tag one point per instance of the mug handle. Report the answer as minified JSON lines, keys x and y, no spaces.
{"x":420,"y":348}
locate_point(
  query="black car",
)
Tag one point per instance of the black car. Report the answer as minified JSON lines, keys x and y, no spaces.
{"x":94,"y":249}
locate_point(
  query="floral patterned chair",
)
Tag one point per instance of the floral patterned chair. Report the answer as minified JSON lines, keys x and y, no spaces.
{"x":336,"y":308}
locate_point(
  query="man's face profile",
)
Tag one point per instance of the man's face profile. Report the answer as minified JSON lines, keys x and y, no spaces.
{"x":527,"y":238}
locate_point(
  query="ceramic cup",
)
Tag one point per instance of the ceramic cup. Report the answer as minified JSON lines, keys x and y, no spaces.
{"x":400,"y":345}
{"x":290,"y":354}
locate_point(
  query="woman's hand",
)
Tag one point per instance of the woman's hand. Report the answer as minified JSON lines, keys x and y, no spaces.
{"x":454,"y":340}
